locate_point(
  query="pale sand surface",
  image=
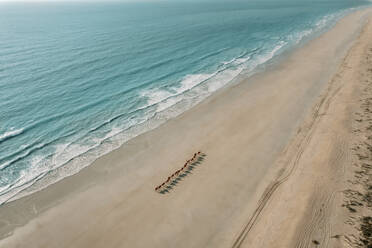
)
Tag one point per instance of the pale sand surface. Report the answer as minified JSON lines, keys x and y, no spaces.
{"x":252,"y":133}
{"x":328,"y":185}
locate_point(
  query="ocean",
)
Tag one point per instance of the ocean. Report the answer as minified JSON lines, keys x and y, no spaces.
{"x":78,"y":80}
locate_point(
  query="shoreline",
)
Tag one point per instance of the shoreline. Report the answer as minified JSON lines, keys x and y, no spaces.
{"x":115,"y":192}
{"x":67,"y":170}
{"x":75,"y":164}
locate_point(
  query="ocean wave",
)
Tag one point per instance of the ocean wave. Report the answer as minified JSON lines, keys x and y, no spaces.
{"x":64,"y":154}
{"x":21,"y":156}
{"x":165,"y":98}
{"x":26,"y":150}
{"x":270,"y":54}
{"x":318,"y":26}
{"x":68,"y":156}
{"x":11,"y":133}
{"x":39,"y":166}
{"x":25,"y":180}
{"x":163,"y":103}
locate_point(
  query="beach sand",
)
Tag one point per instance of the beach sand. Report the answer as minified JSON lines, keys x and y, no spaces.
{"x":278,"y":149}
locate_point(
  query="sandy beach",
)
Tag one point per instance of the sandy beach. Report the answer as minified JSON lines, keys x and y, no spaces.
{"x":279,"y":166}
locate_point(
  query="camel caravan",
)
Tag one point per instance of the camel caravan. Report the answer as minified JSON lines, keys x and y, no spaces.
{"x":165,"y":186}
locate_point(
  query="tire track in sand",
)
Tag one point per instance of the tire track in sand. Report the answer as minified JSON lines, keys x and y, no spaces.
{"x":292,"y":154}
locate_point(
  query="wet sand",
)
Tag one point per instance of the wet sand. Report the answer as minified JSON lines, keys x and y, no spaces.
{"x":266,"y":173}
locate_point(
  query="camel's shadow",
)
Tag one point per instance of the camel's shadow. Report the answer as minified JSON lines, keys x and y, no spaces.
{"x":173,"y":183}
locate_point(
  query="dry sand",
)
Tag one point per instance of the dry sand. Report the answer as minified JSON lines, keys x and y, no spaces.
{"x":278,"y":156}
{"x":325,"y":193}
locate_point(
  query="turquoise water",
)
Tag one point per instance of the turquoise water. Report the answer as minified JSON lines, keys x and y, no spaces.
{"x":79,"y":80}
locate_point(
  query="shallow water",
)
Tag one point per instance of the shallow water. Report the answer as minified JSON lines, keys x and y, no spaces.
{"x":78,"y":80}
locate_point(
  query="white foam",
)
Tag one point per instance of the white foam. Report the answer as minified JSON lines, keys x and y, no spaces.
{"x":72,"y":155}
{"x":26,"y":178}
{"x":165,"y":98}
{"x":318,"y":26}
{"x":190,"y":81}
{"x":223,"y":79}
{"x":23,"y":155}
{"x":207,"y":83}
{"x":242,"y":60}
{"x":236,"y":61}
{"x":10,"y":133}
{"x":229,"y":62}
{"x":298,"y":37}
{"x":155,"y":96}
{"x":265,"y":57}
